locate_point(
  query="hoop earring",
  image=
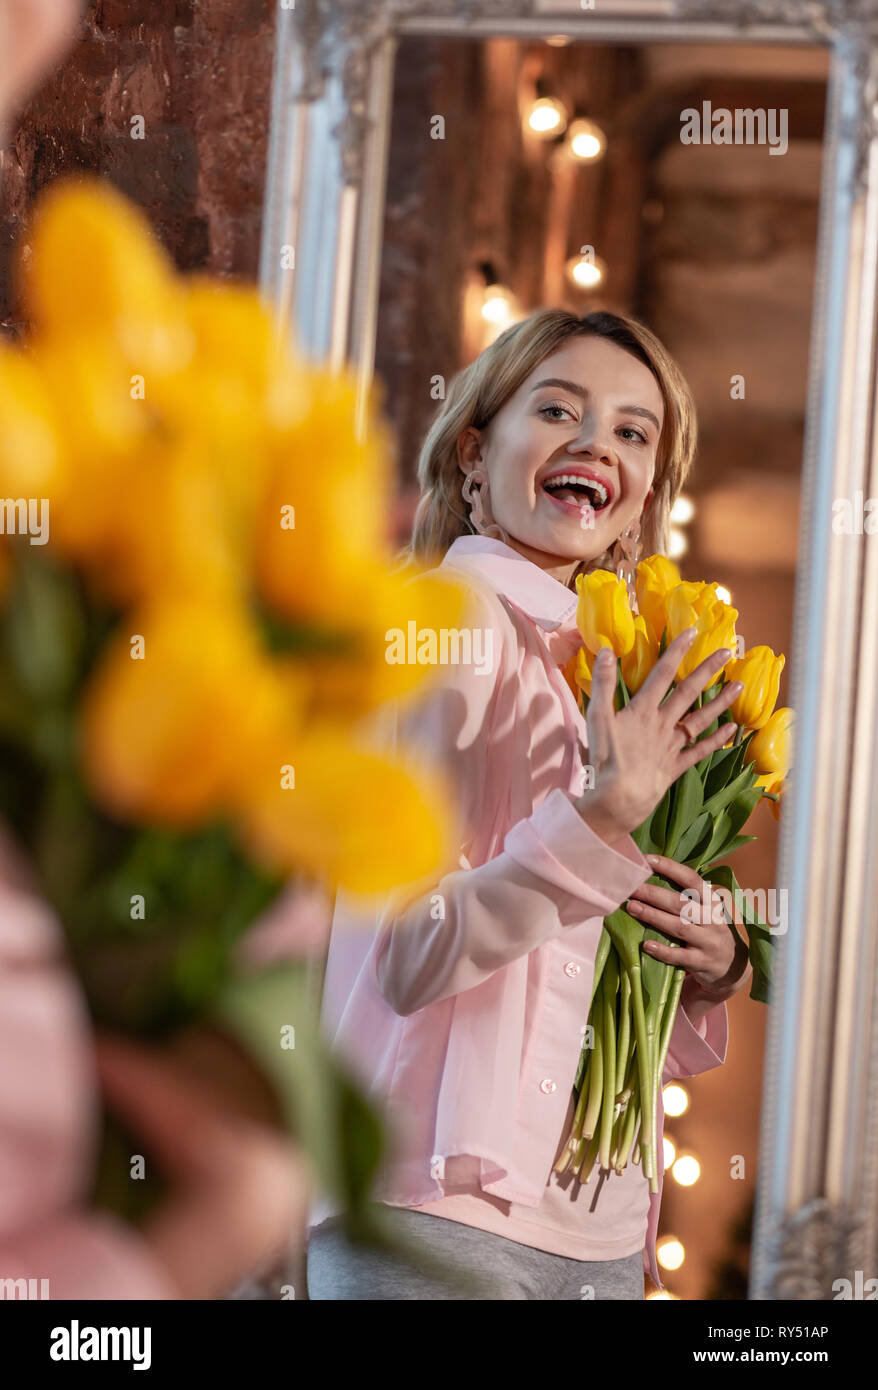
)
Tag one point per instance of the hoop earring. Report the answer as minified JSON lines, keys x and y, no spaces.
{"x":475,"y":491}
{"x":625,"y":557}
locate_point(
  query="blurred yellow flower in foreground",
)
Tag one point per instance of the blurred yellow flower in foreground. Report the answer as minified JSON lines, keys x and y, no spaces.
{"x":215,"y":486}
{"x":333,"y":807}
{"x":173,"y":710}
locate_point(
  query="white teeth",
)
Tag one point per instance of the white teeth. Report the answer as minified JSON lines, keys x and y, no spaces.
{"x":565,"y":479}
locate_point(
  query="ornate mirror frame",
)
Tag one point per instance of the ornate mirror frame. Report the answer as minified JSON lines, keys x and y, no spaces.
{"x":817,"y":1192}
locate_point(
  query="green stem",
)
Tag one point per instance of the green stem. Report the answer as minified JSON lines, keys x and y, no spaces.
{"x":647,"y":1140}
{"x":610,"y":989}
{"x":624,"y":1040}
{"x":668,"y":1021}
{"x":595,"y":1081}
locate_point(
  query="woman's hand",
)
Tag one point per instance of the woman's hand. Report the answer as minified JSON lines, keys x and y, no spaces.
{"x":713,"y":954}
{"x":638,"y":752}
{"x":239,"y":1188}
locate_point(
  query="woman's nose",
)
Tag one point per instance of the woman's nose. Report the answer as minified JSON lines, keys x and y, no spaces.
{"x":593,"y":440}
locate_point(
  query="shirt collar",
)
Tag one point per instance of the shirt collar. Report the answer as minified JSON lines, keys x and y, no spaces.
{"x":544,"y":599}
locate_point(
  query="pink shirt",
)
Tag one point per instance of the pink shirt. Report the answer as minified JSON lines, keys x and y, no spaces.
{"x":462,"y":1012}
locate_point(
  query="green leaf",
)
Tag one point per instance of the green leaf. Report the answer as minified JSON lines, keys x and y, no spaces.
{"x":687,"y":805}
{"x":721,"y":799}
{"x":700,"y":829}
{"x":761,"y":941}
{"x":728,"y":848}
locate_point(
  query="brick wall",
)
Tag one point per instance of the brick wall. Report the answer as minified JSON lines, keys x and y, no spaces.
{"x":198,"y":73}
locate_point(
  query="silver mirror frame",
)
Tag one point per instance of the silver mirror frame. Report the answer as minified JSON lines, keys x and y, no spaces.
{"x":816,"y":1218}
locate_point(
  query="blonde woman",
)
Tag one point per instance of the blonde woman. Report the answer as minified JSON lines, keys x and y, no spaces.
{"x":559,"y":450}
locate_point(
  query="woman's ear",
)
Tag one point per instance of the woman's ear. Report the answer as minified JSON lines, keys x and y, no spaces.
{"x":468,"y":449}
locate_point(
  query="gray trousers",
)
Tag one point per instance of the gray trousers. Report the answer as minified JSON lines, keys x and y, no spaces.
{"x":338,"y":1269}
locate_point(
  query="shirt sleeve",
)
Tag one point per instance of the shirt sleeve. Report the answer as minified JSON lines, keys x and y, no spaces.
{"x":554,"y":873}
{"x":696,"y":1047}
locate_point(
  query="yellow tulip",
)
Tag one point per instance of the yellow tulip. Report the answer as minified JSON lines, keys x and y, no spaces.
{"x":336,"y":809}
{"x":656,"y":577}
{"x":637,"y":664}
{"x":696,"y":604}
{"x":770,"y":749}
{"x":773,"y":784}
{"x":581,"y":671}
{"x":323,"y":516}
{"x":30,"y":453}
{"x":385,"y":639}
{"x":167,"y":737}
{"x":760,"y":670}
{"x":603,"y":613}
{"x":96,"y":269}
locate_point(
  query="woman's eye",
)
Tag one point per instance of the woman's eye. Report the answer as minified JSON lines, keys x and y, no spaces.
{"x":555,"y":406}
{"x":638,"y":434}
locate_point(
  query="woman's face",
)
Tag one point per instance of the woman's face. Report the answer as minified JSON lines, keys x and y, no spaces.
{"x":590,"y":408}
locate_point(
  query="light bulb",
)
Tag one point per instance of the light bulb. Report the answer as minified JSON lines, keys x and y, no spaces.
{"x":675,"y":1100}
{"x":670,"y":1253}
{"x":586,"y":274}
{"x":586,"y":140}
{"x":677,"y":543}
{"x":686,"y":1170}
{"x":547,"y":117}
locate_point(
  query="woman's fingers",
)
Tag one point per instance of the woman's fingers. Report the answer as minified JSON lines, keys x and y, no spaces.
{"x":601,"y":710}
{"x":661,"y":677}
{"x":689,"y":689}
{"x":697,"y":720}
{"x":689,"y":757}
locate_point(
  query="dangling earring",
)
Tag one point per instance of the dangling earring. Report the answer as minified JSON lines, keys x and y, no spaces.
{"x":480,"y":518}
{"x":625,"y":556}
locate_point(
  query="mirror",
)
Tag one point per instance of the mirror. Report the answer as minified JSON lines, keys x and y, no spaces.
{"x":412,"y":213}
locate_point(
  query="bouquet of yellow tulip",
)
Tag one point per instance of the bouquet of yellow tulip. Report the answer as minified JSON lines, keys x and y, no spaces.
{"x":195,"y":592}
{"x":698,"y":822}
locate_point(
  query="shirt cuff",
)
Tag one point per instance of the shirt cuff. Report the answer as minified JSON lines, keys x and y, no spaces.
{"x":556,"y":844}
{"x":695,"y":1048}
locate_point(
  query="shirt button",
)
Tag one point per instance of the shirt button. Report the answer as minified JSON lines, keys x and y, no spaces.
{"x":547,"y":1086}
{"x":571,"y":969}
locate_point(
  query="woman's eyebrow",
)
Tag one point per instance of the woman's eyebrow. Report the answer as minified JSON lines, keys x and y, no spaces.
{"x":583,"y":392}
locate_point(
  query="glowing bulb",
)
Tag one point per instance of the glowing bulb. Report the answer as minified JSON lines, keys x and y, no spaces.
{"x":586,"y":274}
{"x":547,"y":117}
{"x":686,"y":1170}
{"x":677,"y":543}
{"x":723,"y":593}
{"x":586,"y":140}
{"x":675,"y":1100}
{"x":670,"y":1253}
{"x":665,"y":1293}
{"x":497,"y":305}
{"x":670,"y":1151}
{"x":683,"y":510}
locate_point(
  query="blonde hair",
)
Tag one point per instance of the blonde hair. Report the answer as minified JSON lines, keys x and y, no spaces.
{"x":479,"y":391}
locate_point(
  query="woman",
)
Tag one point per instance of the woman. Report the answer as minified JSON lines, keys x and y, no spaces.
{"x":464,"y":1009}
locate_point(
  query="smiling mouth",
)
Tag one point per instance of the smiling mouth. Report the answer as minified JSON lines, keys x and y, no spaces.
{"x":576,"y":493}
